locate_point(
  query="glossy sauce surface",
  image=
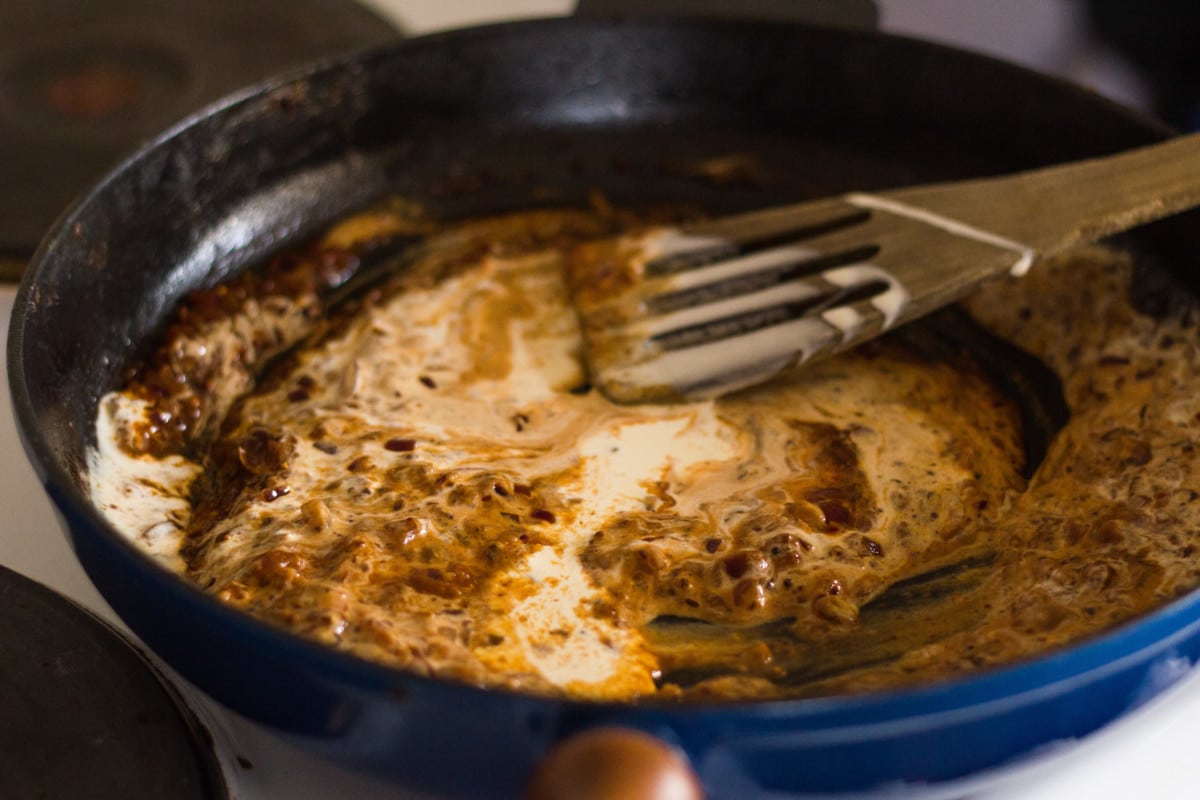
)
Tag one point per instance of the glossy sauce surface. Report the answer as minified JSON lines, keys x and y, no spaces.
{"x":425,"y":479}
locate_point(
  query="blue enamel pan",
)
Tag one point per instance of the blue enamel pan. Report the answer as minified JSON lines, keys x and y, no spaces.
{"x":540,"y":113}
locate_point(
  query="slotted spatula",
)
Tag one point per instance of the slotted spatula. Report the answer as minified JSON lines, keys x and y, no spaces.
{"x":709,"y":308}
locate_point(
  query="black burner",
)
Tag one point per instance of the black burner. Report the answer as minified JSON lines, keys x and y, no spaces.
{"x":83,"y":83}
{"x":82,"y":714}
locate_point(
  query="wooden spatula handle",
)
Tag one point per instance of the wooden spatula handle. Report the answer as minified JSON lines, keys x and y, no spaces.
{"x":1053,"y":208}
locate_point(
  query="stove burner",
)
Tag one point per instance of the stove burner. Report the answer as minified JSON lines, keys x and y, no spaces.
{"x":82,"y":84}
{"x":88,"y":93}
{"x":94,"y":90}
{"x":84,"y":715}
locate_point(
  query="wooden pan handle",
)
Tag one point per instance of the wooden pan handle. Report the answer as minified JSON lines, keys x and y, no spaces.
{"x":611,"y":763}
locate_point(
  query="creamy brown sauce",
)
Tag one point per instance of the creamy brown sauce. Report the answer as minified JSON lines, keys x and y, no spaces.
{"x":427,"y":481}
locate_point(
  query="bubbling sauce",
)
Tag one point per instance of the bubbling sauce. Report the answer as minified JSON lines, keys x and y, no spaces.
{"x":423,"y":477}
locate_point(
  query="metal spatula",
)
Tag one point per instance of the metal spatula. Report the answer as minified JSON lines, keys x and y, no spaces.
{"x":705,"y":309}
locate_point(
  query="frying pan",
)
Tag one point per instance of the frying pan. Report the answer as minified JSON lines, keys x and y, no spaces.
{"x":541,"y":113}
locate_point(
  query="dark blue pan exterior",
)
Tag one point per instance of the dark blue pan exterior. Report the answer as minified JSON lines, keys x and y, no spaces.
{"x":542,"y":112}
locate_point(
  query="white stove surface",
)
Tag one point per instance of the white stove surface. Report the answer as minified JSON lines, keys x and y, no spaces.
{"x":1148,"y":753}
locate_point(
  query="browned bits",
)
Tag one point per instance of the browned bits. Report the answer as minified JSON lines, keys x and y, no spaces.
{"x":753,"y":525}
{"x":262,"y":452}
{"x":833,"y":508}
{"x":173,"y":379}
{"x":1100,"y":576}
{"x":712,"y":545}
{"x":403,"y":532}
{"x":835,"y":608}
{"x":463,"y":495}
{"x":746,"y":563}
{"x":653,"y":558}
{"x":786,"y":551}
{"x":315,"y":514}
{"x":278,"y":566}
{"x":806,"y":513}
{"x":1127,"y":447}
{"x":736,"y":565}
{"x":1109,"y":532}
{"x":449,"y":582}
{"x":749,"y":594}
{"x":542,"y":515}
{"x":599,"y":271}
{"x":1037,"y":611}
{"x":398,"y":445}
{"x":360,"y":464}
{"x":274,"y":493}
{"x":428,"y":382}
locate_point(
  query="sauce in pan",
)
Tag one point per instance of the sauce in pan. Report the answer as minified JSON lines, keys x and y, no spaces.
{"x":423,"y":477}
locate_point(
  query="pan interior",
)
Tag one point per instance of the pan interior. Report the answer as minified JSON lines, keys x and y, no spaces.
{"x":459,"y":172}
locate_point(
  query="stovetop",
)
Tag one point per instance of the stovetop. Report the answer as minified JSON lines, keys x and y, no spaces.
{"x":1148,"y":753}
